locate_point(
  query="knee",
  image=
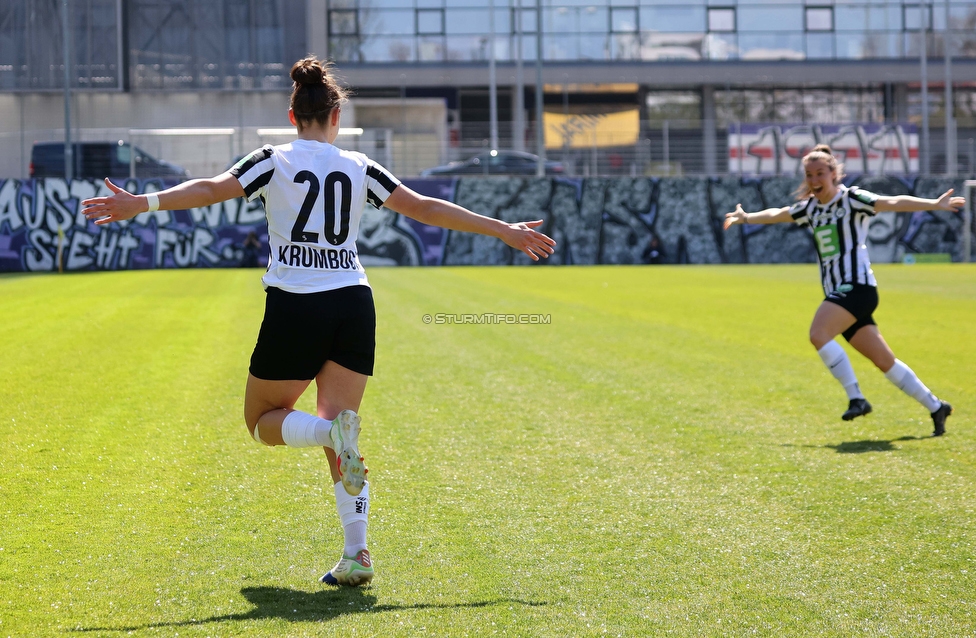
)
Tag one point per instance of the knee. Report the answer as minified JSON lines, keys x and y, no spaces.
{"x":255,"y":432}
{"x":250,"y":420}
{"x":252,"y":429}
{"x":885,"y":362}
{"x":818,"y":337}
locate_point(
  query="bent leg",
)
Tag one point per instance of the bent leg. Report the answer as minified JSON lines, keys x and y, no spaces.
{"x":338,"y":389}
{"x":829,"y":321}
{"x":869,"y":342}
{"x":267,"y":403}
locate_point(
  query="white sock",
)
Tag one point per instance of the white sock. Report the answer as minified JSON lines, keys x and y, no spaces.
{"x":909,"y":383}
{"x":353,"y":514}
{"x":836,"y":360}
{"x":300,"y":429}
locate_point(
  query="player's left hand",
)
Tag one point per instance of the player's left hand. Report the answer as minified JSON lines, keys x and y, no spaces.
{"x":121,"y":205}
{"x":738,"y":216}
{"x":522,"y":236}
{"x":948,"y":202}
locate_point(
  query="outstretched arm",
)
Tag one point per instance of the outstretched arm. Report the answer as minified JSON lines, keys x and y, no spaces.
{"x":437,"y":212}
{"x":191,"y":194}
{"x":767,"y":216}
{"x":909,"y":204}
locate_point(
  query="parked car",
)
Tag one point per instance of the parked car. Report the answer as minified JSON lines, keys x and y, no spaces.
{"x":495,"y":163}
{"x":95,"y":160}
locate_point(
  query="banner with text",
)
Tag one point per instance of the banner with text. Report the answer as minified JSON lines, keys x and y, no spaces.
{"x":867,"y":149}
{"x":588,"y":131}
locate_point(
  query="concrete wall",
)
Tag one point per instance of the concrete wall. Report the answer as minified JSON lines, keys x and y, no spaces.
{"x":420,"y":125}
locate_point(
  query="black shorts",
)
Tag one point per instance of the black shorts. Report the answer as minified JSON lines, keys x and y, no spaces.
{"x":860,"y":300}
{"x":300,"y":332}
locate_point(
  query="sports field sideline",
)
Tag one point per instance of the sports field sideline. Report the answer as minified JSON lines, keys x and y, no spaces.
{"x":662,"y":455}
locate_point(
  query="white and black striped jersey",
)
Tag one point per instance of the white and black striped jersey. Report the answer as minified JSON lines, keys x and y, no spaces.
{"x":840,"y":232}
{"x":313,"y":194}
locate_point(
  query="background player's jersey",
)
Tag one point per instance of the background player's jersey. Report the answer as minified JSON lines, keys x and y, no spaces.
{"x":313,"y":194}
{"x":840,"y":232}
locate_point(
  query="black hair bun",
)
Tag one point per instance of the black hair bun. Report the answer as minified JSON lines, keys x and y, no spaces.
{"x":308,"y":71}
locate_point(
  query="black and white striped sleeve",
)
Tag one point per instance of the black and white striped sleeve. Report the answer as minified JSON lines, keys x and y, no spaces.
{"x":862,"y":201}
{"x":254,"y":171}
{"x":380,"y":183}
{"x":800,"y":212}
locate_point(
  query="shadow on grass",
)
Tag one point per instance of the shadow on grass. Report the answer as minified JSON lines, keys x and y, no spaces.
{"x":867,"y":445}
{"x":301,"y":606}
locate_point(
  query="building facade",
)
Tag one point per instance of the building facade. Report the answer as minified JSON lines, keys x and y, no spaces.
{"x":691,"y":73}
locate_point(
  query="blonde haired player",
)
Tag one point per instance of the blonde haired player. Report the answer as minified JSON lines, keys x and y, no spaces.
{"x":838,"y":217}
{"x":319,"y":320}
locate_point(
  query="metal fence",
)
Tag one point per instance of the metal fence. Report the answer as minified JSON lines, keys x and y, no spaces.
{"x":668,"y":148}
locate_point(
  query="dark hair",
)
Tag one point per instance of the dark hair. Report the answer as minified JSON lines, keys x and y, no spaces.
{"x":315,"y":92}
{"x":820,"y":152}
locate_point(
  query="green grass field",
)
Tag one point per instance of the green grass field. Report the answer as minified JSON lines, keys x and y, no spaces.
{"x":665,"y":457}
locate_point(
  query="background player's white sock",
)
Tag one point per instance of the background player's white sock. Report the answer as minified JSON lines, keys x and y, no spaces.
{"x":835,"y":358}
{"x":353,"y":514}
{"x":909,"y":383}
{"x":300,"y":429}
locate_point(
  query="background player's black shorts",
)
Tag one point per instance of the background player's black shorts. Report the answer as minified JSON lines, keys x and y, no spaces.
{"x":300,"y":332}
{"x":860,"y":300}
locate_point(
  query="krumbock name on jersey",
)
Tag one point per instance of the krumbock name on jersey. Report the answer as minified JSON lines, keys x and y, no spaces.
{"x":314,"y":195}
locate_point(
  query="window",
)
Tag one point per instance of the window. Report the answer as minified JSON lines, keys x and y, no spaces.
{"x":672,"y":19}
{"x":467,"y":21}
{"x":529,"y":21}
{"x":430,"y":21}
{"x":623,"y":20}
{"x":866,"y":18}
{"x":820,"y":18}
{"x":913,"y":17}
{"x":676,"y":106}
{"x":343,"y":22}
{"x":824,"y":105}
{"x":721,"y":19}
{"x":389,"y":22}
{"x":561,"y":20}
{"x":775,"y":20}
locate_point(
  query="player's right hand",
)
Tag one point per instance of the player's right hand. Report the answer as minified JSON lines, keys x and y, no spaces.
{"x":121,"y":205}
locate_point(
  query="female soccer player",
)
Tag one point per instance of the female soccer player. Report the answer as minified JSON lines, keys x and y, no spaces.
{"x":838,"y":216}
{"x":319,"y":320}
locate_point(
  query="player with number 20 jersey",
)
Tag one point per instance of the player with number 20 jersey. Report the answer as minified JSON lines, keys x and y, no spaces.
{"x":314,"y":195}
{"x":319,"y":320}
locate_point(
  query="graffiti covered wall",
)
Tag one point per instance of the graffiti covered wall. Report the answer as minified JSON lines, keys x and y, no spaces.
{"x":595,"y":221}
{"x":679,"y":220}
{"x":42,"y":229}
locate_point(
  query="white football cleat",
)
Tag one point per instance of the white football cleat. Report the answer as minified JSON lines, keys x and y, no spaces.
{"x":351,"y":571}
{"x":345,"y":442}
